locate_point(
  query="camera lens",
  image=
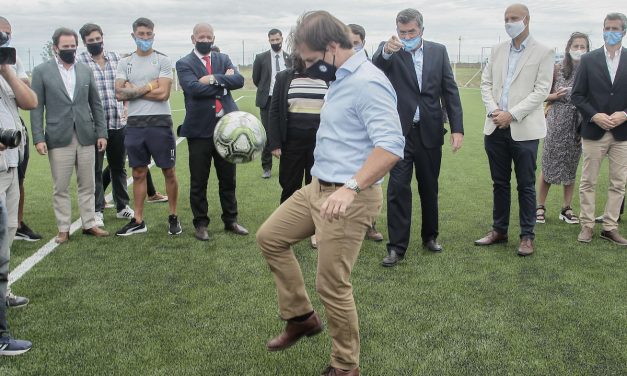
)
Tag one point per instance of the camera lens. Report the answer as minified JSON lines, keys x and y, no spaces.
{"x":11,"y":138}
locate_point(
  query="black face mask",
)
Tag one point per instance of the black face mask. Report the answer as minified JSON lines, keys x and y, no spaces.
{"x":322,"y":70}
{"x":67,"y":56}
{"x":95,"y":49}
{"x":276,"y":47}
{"x":204,"y":48}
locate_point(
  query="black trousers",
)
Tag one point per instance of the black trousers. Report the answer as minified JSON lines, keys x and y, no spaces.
{"x":115,"y":173}
{"x":426,"y":163}
{"x":201,"y":152}
{"x":502,"y":150}
{"x":266,"y":154}
{"x":296,"y":160}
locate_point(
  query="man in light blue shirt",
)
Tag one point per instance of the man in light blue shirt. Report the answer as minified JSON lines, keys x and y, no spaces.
{"x":358,"y":142}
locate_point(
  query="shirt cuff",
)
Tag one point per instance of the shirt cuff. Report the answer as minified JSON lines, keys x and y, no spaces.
{"x":385,"y":55}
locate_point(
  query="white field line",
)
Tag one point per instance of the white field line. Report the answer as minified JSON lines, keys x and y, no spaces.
{"x":49,"y":247}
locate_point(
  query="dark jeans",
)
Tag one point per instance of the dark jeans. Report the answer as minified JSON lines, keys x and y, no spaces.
{"x":426,"y":163}
{"x":266,"y":154}
{"x":115,"y":173}
{"x":502,"y":150}
{"x":296,"y":160}
{"x":4,"y":269}
{"x":201,"y":152}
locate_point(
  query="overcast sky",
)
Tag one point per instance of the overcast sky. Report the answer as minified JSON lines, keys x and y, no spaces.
{"x":478,"y":22}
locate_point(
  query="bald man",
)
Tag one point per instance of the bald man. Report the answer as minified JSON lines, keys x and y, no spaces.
{"x":514,"y":85}
{"x":207,"y":78}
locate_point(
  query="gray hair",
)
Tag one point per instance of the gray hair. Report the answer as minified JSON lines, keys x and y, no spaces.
{"x":616,"y":16}
{"x":408,"y":15}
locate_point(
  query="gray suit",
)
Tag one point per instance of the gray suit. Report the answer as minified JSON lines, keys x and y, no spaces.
{"x":72,"y":128}
{"x":84,"y":114}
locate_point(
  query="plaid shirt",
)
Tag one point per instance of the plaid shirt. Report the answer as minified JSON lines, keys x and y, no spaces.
{"x":105,"y":81}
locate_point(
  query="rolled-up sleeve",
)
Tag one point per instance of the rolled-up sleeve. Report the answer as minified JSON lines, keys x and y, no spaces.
{"x":377,"y":110}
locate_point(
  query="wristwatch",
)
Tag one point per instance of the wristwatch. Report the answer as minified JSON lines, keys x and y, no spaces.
{"x":212,"y":80}
{"x":352,"y":185}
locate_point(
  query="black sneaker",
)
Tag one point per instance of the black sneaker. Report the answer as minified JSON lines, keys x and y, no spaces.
{"x":175,"y":225}
{"x":132,"y":228}
{"x":25,"y":233}
{"x":10,"y":346}
{"x":15,"y":301}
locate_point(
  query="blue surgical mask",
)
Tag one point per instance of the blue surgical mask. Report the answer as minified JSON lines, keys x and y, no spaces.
{"x":358,"y":48}
{"x":144,"y":44}
{"x":612,"y":38}
{"x":411,"y":44}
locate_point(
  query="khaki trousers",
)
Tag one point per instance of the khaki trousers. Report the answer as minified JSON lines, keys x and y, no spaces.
{"x":593,"y":153}
{"x":63,"y":161}
{"x":339,"y":243}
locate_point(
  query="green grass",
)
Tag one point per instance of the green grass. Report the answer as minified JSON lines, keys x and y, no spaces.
{"x":159,"y":305}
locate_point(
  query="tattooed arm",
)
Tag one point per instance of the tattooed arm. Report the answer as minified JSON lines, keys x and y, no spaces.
{"x":128,"y":92}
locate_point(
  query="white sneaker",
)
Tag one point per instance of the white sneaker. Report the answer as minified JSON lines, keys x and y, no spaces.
{"x":126,"y":213}
{"x":99,"y":218}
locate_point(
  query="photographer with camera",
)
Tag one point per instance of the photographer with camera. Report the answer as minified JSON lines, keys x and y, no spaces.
{"x":14,"y":93}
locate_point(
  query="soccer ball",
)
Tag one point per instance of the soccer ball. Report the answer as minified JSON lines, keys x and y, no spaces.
{"x":239,"y":137}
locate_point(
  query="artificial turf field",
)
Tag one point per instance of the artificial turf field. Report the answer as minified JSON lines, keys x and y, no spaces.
{"x":153,"y":304}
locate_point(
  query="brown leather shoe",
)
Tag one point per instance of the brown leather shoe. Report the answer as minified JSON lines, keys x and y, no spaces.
{"x":526,"y":247}
{"x":585,"y":235}
{"x":295,"y":331}
{"x":236,"y":228}
{"x":95,"y":231}
{"x":62,"y":237}
{"x":373,"y":234}
{"x":492,"y":237}
{"x":614,"y":237}
{"x":332,"y":371}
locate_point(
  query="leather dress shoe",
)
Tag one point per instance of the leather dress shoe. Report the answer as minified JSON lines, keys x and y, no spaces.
{"x":526,"y":247}
{"x":95,"y":231}
{"x":236,"y":228}
{"x":62,"y":237}
{"x":294,"y":331}
{"x":201,"y":233}
{"x":392,"y":259}
{"x":332,"y":371}
{"x":432,"y":245}
{"x":492,"y":237}
{"x":373,"y":234}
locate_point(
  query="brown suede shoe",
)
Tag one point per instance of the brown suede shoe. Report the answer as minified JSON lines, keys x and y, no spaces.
{"x":614,"y":237}
{"x":295,"y":331}
{"x":373,"y":234}
{"x":62,"y":237}
{"x":585,"y":235}
{"x":95,"y":231}
{"x":492,"y":237}
{"x":526,"y":247}
{"x":331,"y":371}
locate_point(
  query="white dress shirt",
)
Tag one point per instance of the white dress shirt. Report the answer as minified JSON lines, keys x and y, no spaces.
{"x":273,"y":56}
{"x":612,"y":64}
{"x":69,"y":78}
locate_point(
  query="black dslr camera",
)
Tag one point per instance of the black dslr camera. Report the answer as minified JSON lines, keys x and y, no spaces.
{"x":7,"y":54}
{"x":11,"y":138}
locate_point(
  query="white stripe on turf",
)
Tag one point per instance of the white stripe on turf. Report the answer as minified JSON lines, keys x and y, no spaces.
{"x":49,"y":247}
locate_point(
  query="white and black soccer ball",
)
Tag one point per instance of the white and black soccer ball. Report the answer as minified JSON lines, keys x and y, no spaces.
{"x":239,"y":137}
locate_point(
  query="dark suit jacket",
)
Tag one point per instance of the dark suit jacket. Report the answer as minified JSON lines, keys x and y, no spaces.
{"x":262,"y":75}
{"x":278,"y":115}
{"x":84,"y":113}
{"x":437,"y":83}
{"x":593,"y":92}
{"x":200,"y":99}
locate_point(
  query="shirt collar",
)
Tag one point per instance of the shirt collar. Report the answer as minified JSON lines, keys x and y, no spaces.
{"x":523,"y":45}
{"x":201,"y":57}
{"x":616,"y":55}
{"x":351,"y":64}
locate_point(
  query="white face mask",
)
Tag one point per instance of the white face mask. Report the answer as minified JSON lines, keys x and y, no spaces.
{"x":576,"y":54}
{"x":514,"y":29}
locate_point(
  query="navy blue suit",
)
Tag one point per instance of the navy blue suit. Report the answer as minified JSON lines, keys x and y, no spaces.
{"x":423,"y":141}
{"x":198,"y":126}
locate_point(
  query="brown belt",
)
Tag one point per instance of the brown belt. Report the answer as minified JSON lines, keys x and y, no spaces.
{"x":329,"y":184}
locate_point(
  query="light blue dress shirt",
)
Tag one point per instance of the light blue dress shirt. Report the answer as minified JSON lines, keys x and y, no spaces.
{"x":514,"y":57}
{"x":359,"y":114}
{"x":418,"y":57}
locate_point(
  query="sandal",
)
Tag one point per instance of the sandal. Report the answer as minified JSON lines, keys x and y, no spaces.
{"x":540,"y":211}
{"x":568,"y":216}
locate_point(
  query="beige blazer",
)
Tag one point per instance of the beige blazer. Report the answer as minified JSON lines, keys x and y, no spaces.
{"x":531,"y":84}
